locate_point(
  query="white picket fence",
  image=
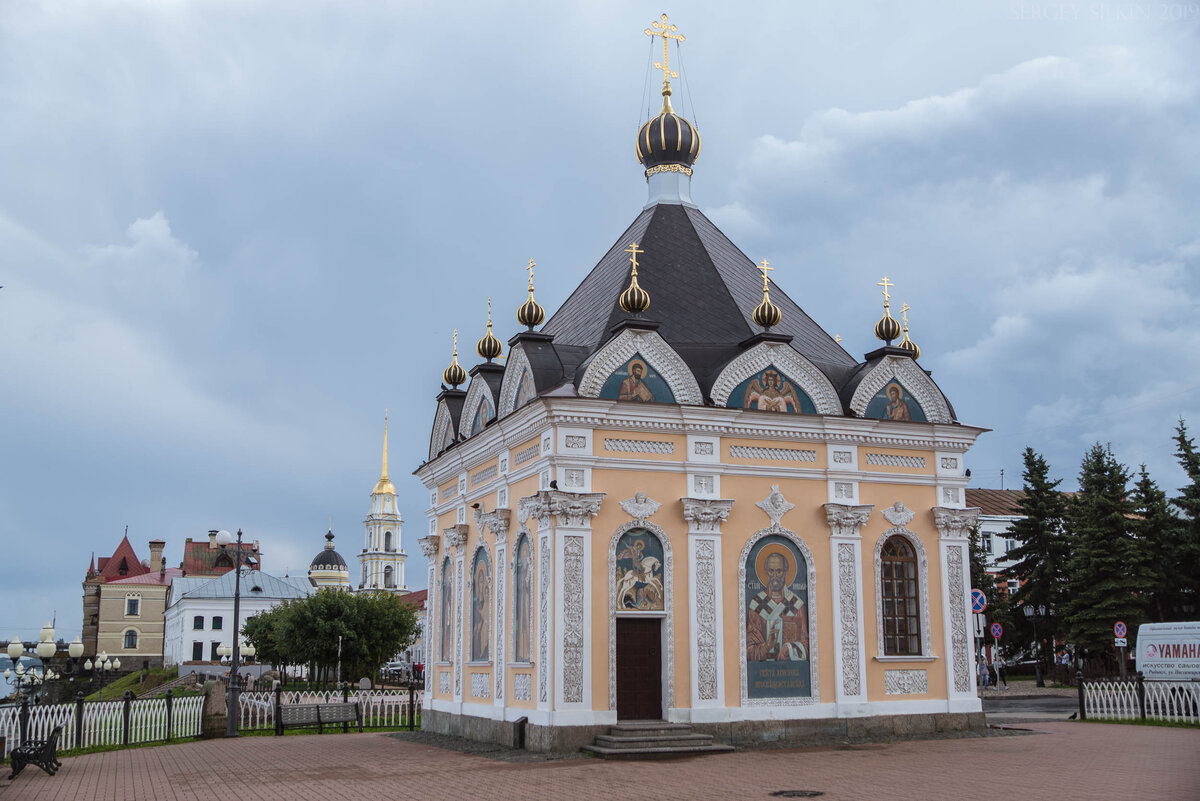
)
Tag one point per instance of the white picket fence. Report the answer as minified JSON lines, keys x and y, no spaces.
{"x":1113,"y":699}
{"x":104,"y":722}
{"x":380,"y":708}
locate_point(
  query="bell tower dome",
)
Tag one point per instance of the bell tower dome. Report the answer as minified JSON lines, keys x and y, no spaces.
{"x":382,"y":557}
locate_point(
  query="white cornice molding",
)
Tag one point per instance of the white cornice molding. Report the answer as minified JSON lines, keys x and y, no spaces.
{"x":783,"y":356}
{"x":914,"y":379}
{"x":655,"y":350}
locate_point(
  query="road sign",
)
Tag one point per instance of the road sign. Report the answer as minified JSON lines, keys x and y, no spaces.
{"x":997,"y":630}
{"x":1119,"y":629}
{"x":1119,"y":642}
{"x":980,"y":625}
{"x":978,"y":601}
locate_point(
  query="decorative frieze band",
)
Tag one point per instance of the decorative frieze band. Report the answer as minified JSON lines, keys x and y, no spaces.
{"x":521,"y":457}
{"x":486,"y":474}
{"x":639,"y":446}
{"x":776,"y":454}
{"x":905,"y":682}
{"x":892,"y":460}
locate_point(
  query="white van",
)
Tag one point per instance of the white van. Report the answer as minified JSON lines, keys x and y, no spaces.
{"x":1169,"y":651}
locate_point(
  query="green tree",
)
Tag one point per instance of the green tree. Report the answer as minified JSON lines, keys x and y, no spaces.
{"x":1110,"y":575}
{"x":997,"y":609}
{"x":1186,"y":546}
{"x":1157,"y":529}
{"x":1042,"y":552}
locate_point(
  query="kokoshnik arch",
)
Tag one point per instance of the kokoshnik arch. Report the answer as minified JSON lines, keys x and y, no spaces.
{"x":681,"y":499}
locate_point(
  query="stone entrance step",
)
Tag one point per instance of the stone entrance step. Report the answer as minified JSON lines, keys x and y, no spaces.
{"x":653,"y":739}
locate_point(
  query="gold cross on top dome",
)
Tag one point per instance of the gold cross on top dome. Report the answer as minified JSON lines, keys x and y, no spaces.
{"x":667,"y":31}
{"x":765,"y":268}
{"x":886,"y":284}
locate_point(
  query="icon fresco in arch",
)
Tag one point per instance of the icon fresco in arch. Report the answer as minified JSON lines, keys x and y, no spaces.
{"x":770,"y":390}
{"x":776,"y":594}
{"x":447,"y":622}
{"x":637,"y":381}
{"x":525,"y":389}
{"x":638,"y":579}
{"x":483,"y":415}
{"x":481,"y":601}
{"x":894,"y":402}
{"x":522,"y":600}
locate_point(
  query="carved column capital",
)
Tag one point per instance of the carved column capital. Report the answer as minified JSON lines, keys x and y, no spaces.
{"x":955,"y":524}
{"x":430,"y":545}
{"x":705,"y":515}
{"x":574,"y":509}
{"x":456,"y":536}
{"x":495,"y":521}
{"x":845,"y":520}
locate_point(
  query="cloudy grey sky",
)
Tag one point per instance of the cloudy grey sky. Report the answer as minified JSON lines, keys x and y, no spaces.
{"x":232,"y":234}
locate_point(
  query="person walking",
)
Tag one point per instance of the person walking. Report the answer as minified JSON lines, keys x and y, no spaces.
{"x":1002,"y":671}
{"x":983,"y":673}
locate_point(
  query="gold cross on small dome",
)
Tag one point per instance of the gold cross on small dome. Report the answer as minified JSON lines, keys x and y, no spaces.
{"x":667,"y":31}
{"x":633,"y":249}
{"x":886,"y":284}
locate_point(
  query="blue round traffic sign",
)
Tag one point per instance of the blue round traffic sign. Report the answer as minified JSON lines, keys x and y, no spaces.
{"x":997,"y":630}
{"x":1119,"y":629}
{"x":978,"y":601}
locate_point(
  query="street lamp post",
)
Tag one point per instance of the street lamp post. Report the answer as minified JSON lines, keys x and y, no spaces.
{"x":1034,"y":613}
{"x":231,"y":701}
{"x":103,"y":665}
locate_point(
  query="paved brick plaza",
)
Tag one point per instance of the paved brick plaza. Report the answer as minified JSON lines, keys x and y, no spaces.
{"x":1068,"y":761}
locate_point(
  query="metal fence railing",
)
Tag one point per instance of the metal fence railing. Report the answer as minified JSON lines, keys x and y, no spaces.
{"x":380,"y":708}
{"x":1139,"y":698}
{"x":92,"y":723}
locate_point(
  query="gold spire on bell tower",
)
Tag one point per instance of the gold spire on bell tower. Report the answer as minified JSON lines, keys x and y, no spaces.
{"x":531,"y":312}
{"x":384,"y":485}
{"x":766,"y":313}
{"x":667,"y":31}
{"x":635,"y":300}
{"x":887,"y":328}
{"x":906,"y":343}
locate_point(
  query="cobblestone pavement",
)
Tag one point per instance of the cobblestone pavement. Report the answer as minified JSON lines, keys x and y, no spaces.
{"x":1064,"y":762}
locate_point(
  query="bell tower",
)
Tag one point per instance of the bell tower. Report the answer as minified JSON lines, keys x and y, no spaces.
{"x":382,"y":557}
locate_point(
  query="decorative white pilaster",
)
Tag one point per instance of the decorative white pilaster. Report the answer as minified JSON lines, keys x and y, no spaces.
{"x":954,"y":526}
{"x":704,"y":517}
{"x":573,"y":512}
{"x":496,"y":521}
{"x":538,"y":507}
{"x":845,"y":548}
{"x":429,"y":547}
{"x":456,"y":538}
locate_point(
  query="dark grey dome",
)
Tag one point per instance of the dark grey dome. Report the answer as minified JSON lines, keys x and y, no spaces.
{"x":328,"y":559}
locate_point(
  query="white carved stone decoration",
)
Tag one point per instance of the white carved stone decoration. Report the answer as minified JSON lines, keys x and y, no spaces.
{"x":576,"y":441}
{"x":785,"y":358}
{"x":640,"y":507}
{"x":898,"y":514}
{"x":703,"y":449}
{"x":495,"y":521}
{"x":949,"y":494}
{"x":573,"y":588}
{"x":456,"y":535}
{"x":813,"y":638}
{"x":503,"y":464}
{"x":848,"y":614}
{"x":514,"y":368}
{"x":429,"y":546}
{"x":543,"y":619}
{"x":444,"y":681}
{"x":486,"y":474}
{"x":955,"y":524}
{"x":706,"y":620}
{"x":774,"y":454}
{"x":432,"y":624}
{"x":905,"y":682}
{"x":502,"y":496}
{"x":480,"y":686}
{"x":846,"y":521}
{"x":535,"y":506}
{"x":892,"y":460}
{"x":843,"y":489}
{"x":915,"y":381}
{"x":522,"y":687}
{"x":842,"y":457}
{"x":477,"y":392}
{"x":462,"y":485}
{"x":498,"y":628}
{"x":668,"y":605}
{"x":657,"y":353}
{"x":574,"y":478}
{"x":705,"y":484}
{"x":922,"y":583}
{"x":949,"y":463}
{"x":573,"y":509}
{"x":705,"y":515}
{"x":443,"y":431}
{"x":639,"y":446}
{"x":776,"y":506}
{"x":523,"y":456}
{"x":959,"y":643}
{"x":460,"y":627}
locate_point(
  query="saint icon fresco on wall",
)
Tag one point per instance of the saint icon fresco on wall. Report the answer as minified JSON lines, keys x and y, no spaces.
{"x":770,"y":390}
{"x":481,"y":598}
{"x":776,"y":593}
{"x":638,"y":580}
{"x":637,"y":381}
{"x":893,"y":402}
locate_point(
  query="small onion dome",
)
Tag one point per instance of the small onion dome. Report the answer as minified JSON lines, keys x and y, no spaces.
{"x":489,"y":347}
{"x":910,"y":346}
{"x":667,"y":142}
{"x":767,"y":313}
{"x":454,"y":374}
{"x":328,"y":558}
{"x":531,"y":313}
{"x":887,"y":328}
{"x":634,"y":300}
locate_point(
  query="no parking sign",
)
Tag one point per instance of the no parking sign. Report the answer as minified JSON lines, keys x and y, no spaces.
{"x":1119,"y":629}
{"x":997,"y":630}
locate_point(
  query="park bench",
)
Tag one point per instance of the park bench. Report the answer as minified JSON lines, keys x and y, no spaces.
{"x":43,"y":753}
{"x":319,"y":715}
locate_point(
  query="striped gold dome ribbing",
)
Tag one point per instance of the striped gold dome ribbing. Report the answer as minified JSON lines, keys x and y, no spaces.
{"x":489,"y":347}
{"x":634,"y":299}
{"x":766,"y":313}
{"x":454,"y":374}
{"x":531,"y":313}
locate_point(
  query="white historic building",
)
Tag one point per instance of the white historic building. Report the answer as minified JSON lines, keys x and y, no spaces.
{"x":382,"y":557}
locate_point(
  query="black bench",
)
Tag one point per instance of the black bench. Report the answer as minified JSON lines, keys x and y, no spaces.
{"x":43,"y":753}
{"x":291,"y":716}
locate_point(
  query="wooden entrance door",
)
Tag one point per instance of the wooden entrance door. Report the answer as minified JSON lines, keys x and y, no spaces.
{"x":639,"y":668}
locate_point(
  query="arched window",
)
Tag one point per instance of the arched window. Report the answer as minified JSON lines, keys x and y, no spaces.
{"x":900,"y":598}
{"x":446,"y":620}
{"x":364,"y":578}
{"x":387,"y":540}
{"x":481,"y":607}
{"x":522,"y":601}
{"x":388,"y":581}
{"x":131,"y":639}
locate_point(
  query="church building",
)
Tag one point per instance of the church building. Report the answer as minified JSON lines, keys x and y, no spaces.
{"x":679,"y":499}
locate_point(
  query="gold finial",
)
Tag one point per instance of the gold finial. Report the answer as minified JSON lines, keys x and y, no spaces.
{"x":454,"y":374}
{"x":531,"y":313}
{"x":837,"y":338}
{"x":488,"y":346}
{"x":667,"y":31}
{"x":887,"y":328}
{"x":906,"y":343}
{"x":766,"y":313}
{"x":634,"y":300}
{"x":384,"y":485}
{"x":384,"y":473}
{"x":885,"y":283}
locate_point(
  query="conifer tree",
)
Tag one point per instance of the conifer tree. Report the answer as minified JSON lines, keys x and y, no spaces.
{"x":1158,"y":532}
{"x":1109,"y":578}
{"x":1040,"y":557}
{"x":1187,"y":545}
